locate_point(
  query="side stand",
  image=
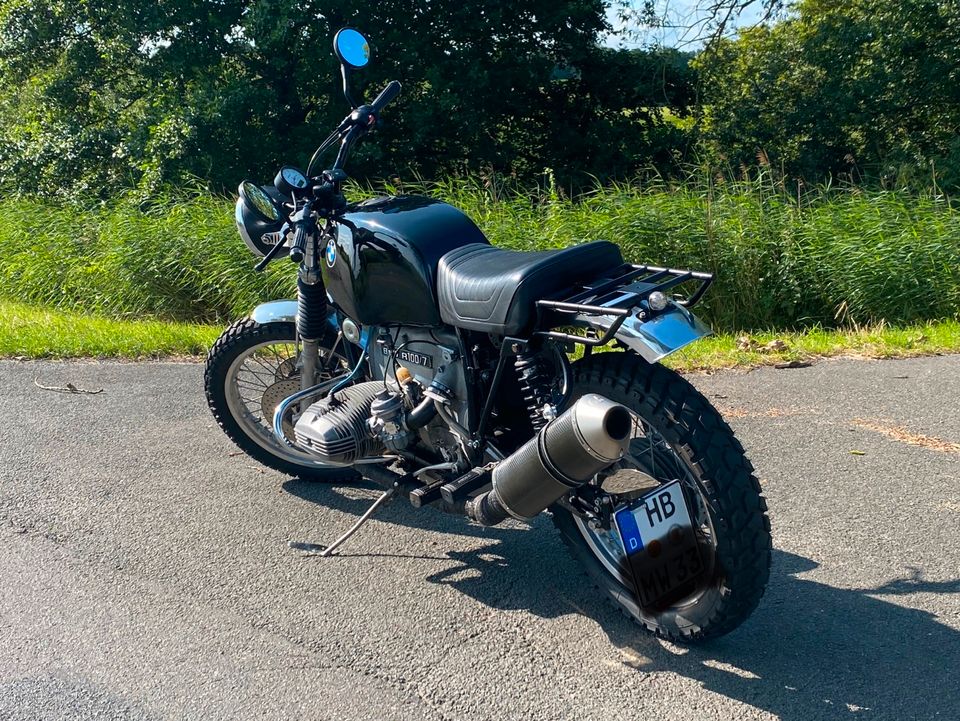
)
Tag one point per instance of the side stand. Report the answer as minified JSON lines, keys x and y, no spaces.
{"x":328,"y":550}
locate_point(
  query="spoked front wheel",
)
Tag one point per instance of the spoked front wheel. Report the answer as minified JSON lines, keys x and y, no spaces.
{"x":679,"y":437}
{"x":250,"y":369}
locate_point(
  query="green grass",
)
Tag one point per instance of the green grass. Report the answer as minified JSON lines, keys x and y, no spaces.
{"x":730,"y":350}
{"x":176,"y":259}
{"x":28,"y":332}
{"x":829,"y":257}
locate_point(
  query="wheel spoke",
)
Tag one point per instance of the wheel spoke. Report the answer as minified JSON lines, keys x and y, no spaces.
{"x":270,"y":371}
{"x":276,"y":354}
{"x":258,"y":375}
{"x":260,"y":370}
{"x":246,"y":385}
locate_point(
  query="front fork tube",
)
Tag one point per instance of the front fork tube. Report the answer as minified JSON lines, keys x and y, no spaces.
{"x":311,"y":314}
{"x":309,"y":356}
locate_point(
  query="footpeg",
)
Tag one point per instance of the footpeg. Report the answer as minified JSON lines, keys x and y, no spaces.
{"x":425,"y":495}
{"x":457,"y":490}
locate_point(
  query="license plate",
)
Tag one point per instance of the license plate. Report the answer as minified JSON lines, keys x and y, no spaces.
{"x":659,"y":543}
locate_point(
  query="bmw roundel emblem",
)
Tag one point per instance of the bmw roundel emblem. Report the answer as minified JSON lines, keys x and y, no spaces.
{"x":331,"y":253}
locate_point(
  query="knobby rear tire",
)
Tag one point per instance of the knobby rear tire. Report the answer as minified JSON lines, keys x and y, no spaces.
{"x":699,"y":436}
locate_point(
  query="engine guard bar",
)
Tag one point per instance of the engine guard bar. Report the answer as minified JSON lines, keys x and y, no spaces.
{"x":284,"y":405}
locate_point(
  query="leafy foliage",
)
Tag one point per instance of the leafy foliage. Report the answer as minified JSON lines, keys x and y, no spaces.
{"x":115,"y":104}
{"x":853,"y":89}
{"x":833,"y":257}
{"x":99,"y":97}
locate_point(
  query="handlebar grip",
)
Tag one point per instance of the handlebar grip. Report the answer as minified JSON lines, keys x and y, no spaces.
{"x":299,"y":244}
{"x":386,"y":95}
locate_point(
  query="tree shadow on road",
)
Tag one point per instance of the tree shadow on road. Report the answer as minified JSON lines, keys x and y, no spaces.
{"x":817,"y":651}
{"x":810,"y":651}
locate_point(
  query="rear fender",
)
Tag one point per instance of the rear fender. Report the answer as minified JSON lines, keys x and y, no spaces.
{"x":656,"y":338}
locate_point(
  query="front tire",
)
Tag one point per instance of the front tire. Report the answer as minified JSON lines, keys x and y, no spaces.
{"x":686,"y":425}
{"x":243,"y":405}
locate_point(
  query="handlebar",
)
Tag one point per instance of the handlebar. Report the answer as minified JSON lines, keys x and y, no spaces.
{"x":386,"y":95}
{"x":327,"y":193}
{"x":299,"y":245}
{"x":359,"y":122}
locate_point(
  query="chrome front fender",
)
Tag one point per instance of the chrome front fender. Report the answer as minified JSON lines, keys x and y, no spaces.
{"x":654,"y":339}
{"x":276,"y":311}
{"x":285,"y":311}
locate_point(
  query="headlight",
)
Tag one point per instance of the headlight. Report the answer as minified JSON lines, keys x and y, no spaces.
{"x":259,"y":219}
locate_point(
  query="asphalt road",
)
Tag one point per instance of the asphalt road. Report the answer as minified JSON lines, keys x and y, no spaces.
{"x":145,"y":573}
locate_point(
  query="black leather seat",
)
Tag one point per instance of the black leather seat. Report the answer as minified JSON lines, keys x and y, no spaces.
{"x":484,"y":288}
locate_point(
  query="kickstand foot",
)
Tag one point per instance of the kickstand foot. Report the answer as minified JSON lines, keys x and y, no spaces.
{"x":325,"y":551}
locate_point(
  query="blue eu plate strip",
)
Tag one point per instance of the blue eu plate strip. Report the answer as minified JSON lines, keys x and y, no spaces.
{"x":629,"y":533}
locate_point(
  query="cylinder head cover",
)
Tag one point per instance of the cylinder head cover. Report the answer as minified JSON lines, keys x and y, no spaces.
{"x":336,"y":430}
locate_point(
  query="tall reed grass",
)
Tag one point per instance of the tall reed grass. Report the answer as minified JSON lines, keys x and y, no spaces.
{"x":179,"y":259}
{"x":829,"y":257}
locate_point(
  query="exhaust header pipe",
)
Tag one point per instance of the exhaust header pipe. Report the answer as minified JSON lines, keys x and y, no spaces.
{"x":568,"y":452}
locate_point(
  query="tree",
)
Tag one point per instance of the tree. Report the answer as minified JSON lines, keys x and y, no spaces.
{"x":97,"y":97}
{"x":87,"y":87}
{"x":859,"y":87}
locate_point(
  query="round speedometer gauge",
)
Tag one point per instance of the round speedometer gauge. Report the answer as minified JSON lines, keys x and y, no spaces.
{"x":289,"y":180}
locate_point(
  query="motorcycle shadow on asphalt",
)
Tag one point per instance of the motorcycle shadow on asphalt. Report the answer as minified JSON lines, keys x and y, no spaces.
{"x":810,"y":651}
{"x":344,"y":499}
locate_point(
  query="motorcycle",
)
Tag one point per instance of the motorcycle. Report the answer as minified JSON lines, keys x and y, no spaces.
{"x":465,"y":377}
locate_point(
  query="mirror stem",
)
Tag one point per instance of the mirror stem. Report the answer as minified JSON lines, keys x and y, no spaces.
{"x":345,"y":72}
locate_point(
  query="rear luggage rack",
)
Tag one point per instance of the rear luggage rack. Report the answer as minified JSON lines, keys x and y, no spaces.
{"x":618,"y":297}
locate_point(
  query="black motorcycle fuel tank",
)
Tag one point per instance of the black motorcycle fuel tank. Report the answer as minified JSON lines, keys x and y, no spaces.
{"x":380,"y":266}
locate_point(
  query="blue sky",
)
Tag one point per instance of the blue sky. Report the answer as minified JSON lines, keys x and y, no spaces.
{"x":681,"y":14}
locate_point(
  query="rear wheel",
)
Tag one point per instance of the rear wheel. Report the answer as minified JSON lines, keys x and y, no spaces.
{"x":250,"y":369}
{"x":678,"y":436}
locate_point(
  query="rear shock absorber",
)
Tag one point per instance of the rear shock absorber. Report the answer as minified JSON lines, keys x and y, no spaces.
{"x":534,"y":386}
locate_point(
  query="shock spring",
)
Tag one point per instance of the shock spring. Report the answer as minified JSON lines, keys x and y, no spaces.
{"x":533,"y":386}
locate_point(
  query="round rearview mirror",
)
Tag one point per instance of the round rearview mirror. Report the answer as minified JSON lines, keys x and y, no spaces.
{"x":351,"y":47}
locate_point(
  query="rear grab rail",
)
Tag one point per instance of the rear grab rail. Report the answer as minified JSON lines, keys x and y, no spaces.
{"x":617,"y":297}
